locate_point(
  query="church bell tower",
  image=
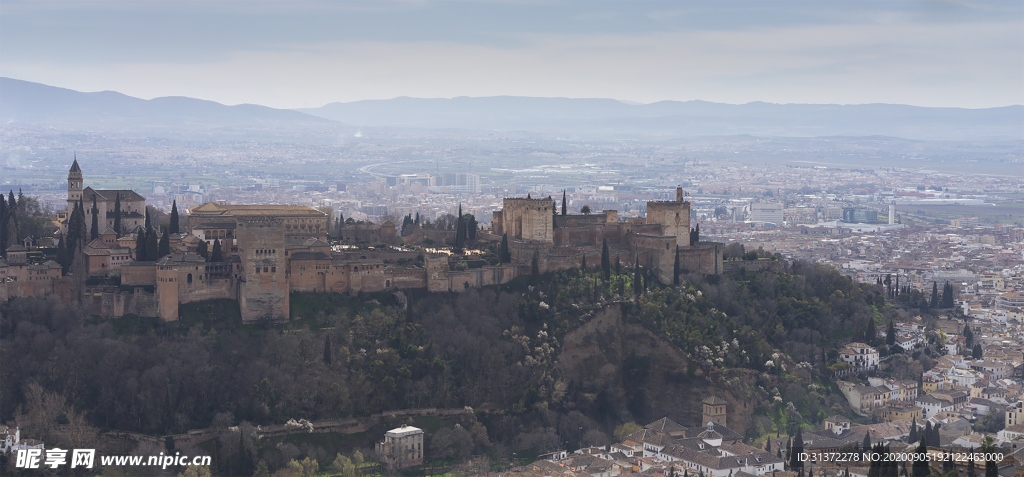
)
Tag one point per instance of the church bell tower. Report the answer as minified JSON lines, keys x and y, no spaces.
{"x":74,"y":184}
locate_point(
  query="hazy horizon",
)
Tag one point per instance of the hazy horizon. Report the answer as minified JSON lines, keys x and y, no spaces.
{"x":309,"y":53}
{"x":624,"y":101}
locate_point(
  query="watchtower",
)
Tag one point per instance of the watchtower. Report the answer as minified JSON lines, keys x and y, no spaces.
{"x":673,"y":216}
{"x":528,"y":219}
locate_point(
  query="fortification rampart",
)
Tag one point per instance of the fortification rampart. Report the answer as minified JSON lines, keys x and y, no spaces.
{"x":703,"y":257}
{"x":110,"y":302}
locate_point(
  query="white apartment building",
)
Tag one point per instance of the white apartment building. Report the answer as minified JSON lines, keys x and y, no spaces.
{"x":859,"y":355}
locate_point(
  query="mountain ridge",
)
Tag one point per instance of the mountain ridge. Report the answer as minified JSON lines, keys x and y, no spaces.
{"x":28,"y":103}
{"x":25,"y":102}
{"x":680,"y":118}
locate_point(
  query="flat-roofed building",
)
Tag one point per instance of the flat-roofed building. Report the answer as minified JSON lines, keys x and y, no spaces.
{"x":402,"y":447}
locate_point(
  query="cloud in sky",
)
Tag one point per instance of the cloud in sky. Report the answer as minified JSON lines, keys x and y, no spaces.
{"x":307,"y":53}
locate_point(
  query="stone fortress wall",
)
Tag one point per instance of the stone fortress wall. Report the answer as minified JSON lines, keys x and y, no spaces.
{"x":274,"y":250}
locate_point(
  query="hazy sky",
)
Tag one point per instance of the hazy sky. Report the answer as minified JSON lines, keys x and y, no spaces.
{"x":307,"y":53}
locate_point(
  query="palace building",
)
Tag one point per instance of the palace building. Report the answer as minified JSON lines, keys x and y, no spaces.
{"x":270,"y":251}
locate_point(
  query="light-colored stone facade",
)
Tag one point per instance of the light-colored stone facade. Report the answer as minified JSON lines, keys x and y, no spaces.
{"x":402,"y":447}
{"x":133,"y":205}
{"x":528,"y":219}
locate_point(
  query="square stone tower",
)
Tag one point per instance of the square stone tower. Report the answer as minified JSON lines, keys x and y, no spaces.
{"x":263,"y":291}
{"x":673,"y":216}
{"x":528,"y":219}
{"x":714,"y":410}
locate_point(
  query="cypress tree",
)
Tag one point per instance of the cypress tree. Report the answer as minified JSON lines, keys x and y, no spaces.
{"x":798,"y":448}
{"x":675,"y":270}
{"x":168,"y":411}
{"x":637,"y":281}
{"x":504,"y":255}
{"x":140,"y":246}
{"x":890,"y":335}
{"x":460,"y":231}
{"x":152,"y":245}
{"x":935,"y":295}
{"x":920,"y":466}
{"x":977,"y":352}
{"x":327,"y":350}
{"x":471,"y":227}
{"x":874,"y":470}
{"x":83,"y":233}
{"x":203,"y":250}
{"x":913,"y":437}
{"x":563,"y":202}
{"x":927,"y":435}
{"x":970,"y":468}
{"x":244,"y":461}
{"x":11,"y":230}
{"x":76,"y":222}
{"x":217,"y":255}
{"x":768,"y":445}
{"x":12,"y":203}
{"x":866,"y":444}
{"x":164,"y":248}
{"x":173,"y":227}
{"x":148,"y":224}
{"x":94,"y":233}
{"x":117,"y":214}
{"x":991,"y":467}
{"x":62,"y":256}
{"x":535,"y":266}
{"x":968,"y":336}
{"x":606,"y":261}
{"x":892,"y":467}
{"x":869,"y":332}
{"x":583,"y":263}
{"x":618,"y":266}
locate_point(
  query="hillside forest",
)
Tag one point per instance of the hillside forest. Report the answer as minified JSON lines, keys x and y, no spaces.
{"x":523,"y":356}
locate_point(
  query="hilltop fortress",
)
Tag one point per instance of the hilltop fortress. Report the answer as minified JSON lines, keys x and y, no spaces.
{"x":270,"y":251}
{"x":562,"y":241}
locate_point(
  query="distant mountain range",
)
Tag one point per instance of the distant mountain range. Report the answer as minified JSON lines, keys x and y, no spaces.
{"x":27,"y":103}
{"x":23,"y":102}
{"x":675,"y":118}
